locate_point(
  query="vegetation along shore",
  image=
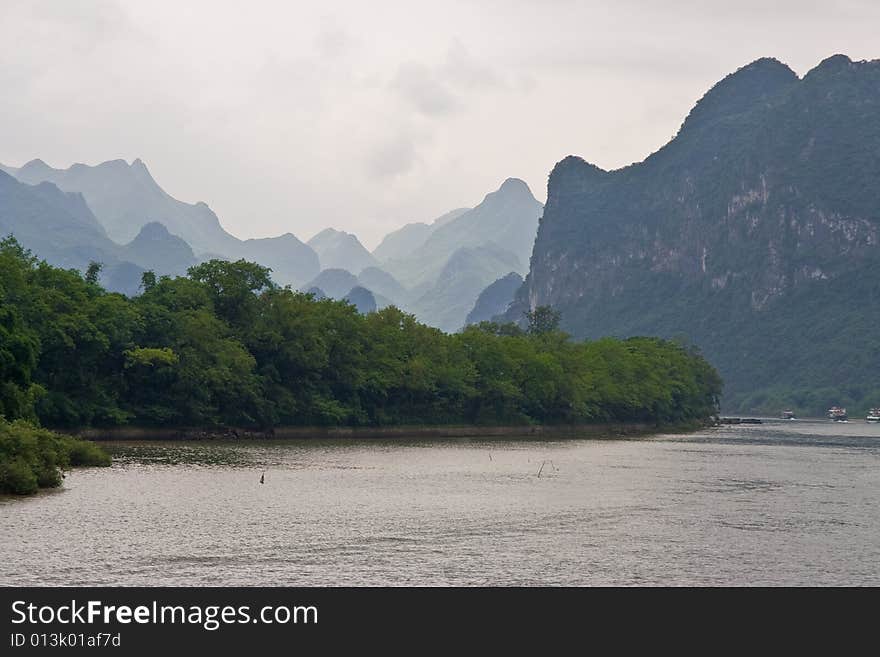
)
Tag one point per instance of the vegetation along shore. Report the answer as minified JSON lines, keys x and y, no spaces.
{"x":225,"y":346}
{"x":32,"y":457}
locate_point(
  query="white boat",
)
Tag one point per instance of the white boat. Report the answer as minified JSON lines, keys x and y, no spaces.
{"x":837,"y":414}
{"x":873,"y":415}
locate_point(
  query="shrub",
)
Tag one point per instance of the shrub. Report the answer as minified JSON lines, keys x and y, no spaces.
{"x":32,"y":457}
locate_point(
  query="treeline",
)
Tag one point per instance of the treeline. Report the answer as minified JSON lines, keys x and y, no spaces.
{"x":226,"y":346}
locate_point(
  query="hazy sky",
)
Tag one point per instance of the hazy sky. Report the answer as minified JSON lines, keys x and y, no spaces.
{"x":295,"y":116}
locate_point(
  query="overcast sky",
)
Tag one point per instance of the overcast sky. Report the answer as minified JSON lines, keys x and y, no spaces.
{"x":294,"y":116}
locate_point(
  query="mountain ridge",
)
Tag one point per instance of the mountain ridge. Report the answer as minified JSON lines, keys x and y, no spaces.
{"x":124,"y":197}
{"x":338,"y":249}
{"x":768,"y":190}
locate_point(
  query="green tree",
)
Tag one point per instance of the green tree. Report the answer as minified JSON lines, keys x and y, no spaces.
{"x":543,"y":320}
{"x":232,"y":286}
{"x":93,"y":271}
{"x":148,"y":280}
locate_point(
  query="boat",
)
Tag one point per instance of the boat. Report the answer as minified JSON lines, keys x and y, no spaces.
{"x":837,"y":414}
{"x":788,"y":415}
{"x":873,"y":415}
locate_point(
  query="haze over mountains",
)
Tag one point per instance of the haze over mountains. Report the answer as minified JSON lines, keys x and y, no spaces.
{"x":436,"y":271}
{"x":125,"y":197}
{"x":441,"y":267}
{"x":60,"y":228}
{"x":462,"y":252}
{"x":400,"y":244}
{"x":754,"y":234}
{"x":507,"y":218}
{"x":337,"y":249}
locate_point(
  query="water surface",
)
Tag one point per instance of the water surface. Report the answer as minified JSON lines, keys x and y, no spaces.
{"x":794,"y":503}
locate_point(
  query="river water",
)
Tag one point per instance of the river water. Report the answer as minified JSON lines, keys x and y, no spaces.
{"x":783,"y":503}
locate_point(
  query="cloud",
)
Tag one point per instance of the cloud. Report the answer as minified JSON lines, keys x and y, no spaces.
{"x":392,"y":157}
{"x":425,"y":90}
{"x":443,"y":89}
{"x":465,"y":71}
{"x":294,"y":116}
{"x":334,"y":41}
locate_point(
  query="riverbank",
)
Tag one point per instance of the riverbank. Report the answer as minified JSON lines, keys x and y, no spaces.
{"x":605,"y":430}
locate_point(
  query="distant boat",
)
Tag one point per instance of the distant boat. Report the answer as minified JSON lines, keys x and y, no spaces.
{"x":788,"y":415}
{"x":873,"y":415}
{"x":837,"y":414}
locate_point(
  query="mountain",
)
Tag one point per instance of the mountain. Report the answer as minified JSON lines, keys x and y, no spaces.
{"x":335,"y":283}
{"x":495,"y":299}
{"x":343,"y":285}
{"x":125,"y":197}
{"x":362,"y":299}
{"x":317,"y":292}
{"x":382,"y":283}
{"x":449,"y":300}
{"x":60,"y":228}
{"x":156,"y":249}
{"x":123,"y":277}
{"x":292,"y":261}
{"x":403,"y":241}
{"x":56,"y":226}
{"x":337,"y":249}
{"x":754,"y":234}
{"x":507,"y":219}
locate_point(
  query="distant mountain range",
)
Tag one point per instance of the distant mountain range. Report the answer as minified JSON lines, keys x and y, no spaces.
{"x":337,"y":249}
{"x":117,"y":214}
{"x":156,"y":249}
{"x":58,"y":225}
{"x":754,"y":234}
{"x":506,"y":218}
{"x":446,"y":264}
{"x":435,"y":270}
{"x":60,"y":228}
{"x":125,"y":197}
{"x":400,"y":244}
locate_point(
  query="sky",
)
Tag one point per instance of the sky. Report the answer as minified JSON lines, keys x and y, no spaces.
{"x":291,"y":116}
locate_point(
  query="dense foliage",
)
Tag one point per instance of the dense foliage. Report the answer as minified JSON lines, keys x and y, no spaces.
{"x":225,"y":345}
{"x":33,"y":458}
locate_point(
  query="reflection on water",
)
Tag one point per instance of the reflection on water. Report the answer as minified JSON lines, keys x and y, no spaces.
{"x":779,"y":503}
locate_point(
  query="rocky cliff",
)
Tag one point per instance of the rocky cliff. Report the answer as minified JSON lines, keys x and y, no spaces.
{"x":753,"y":234}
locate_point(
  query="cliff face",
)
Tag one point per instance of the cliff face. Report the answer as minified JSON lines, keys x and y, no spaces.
{"x":767,"y":199}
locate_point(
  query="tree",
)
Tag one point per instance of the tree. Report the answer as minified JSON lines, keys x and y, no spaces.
{"x":232,"y":286}
{"x":93,"y":272}
{"x":227,"y":346}
{"x":542,"y":320}
{"x":148,"y":280}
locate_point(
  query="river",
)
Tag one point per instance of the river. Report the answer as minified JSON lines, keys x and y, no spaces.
{"x":782,"y":503}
